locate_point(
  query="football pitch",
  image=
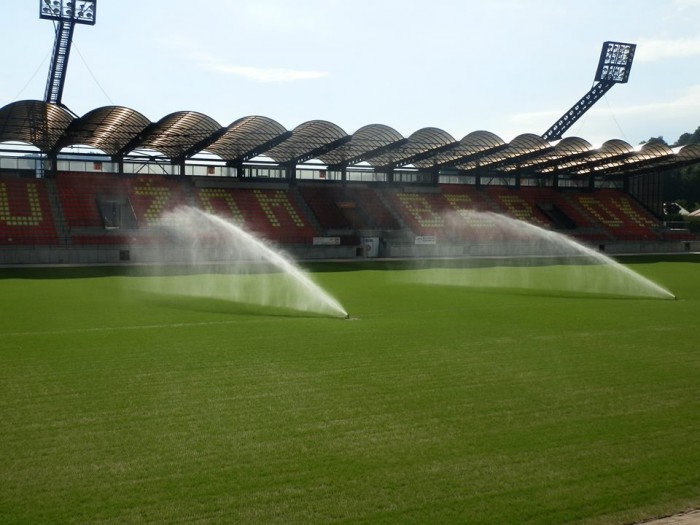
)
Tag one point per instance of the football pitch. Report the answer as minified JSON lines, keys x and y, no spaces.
{"x":432,"y":404}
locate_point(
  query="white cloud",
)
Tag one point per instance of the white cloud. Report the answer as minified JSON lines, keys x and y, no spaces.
{"x":257,"y":74}
{"x":269,"y":74}
{"x":652,"y":50}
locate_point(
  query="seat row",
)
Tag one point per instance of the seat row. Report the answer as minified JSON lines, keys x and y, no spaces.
{"x":91,"y":205}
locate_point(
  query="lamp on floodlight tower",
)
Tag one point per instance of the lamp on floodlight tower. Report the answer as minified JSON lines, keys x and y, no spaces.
{"x":613,"y":68}
{"x":65,"y":14}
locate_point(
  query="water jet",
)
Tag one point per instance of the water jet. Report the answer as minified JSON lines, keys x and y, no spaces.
{"x":510,"y":253}
{"x":247,"y":269}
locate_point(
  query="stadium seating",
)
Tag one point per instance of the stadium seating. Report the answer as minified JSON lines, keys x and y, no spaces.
{"x":348,"y":208}
{"x":272,"y":214}
{"x":423,"y":213}
{"x":330,"y":212}
{"x":373,"y":206}
{"x":297,"y":214}
{"x":153,"y":195}
{"x":466,"y":220}
{"x":449,"y":215}
{"x":522,"y":204}
{"x":219,"y":201}
{"x":623,"y":218}
{"x":25,"y":213}
{"x":79,"y":194}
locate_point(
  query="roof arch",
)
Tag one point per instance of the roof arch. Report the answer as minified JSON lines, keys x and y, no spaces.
{"x":655,"y":149}
{"x":572,"y":146}
{"x":528,"y":143}
{"x":565,"y":152}
{"x":109,"y":128}
{"x":117,"y":131}
{"x":689,"y":152}
{"x":474,"y":144}
{"x":609,"y":156}
{"x":522,"y":149}
{"x":34,"y":122}
{"x":678,"y":158}
{"x":178,"y":133}
{"x":309,"y":140}
{"x":247,"y":138}
{"x":420,"y":146}
{"x":649,"y":155}
{"x":614,"y":147}
{"x":482,"y":140}
{"x":368,"y":141}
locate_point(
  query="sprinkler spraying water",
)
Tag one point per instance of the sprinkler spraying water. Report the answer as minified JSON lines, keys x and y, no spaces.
{"x":256,"y":273}
{"x":527,"y":256}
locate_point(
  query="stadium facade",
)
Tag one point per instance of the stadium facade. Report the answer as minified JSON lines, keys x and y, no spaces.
{"x":92,"y":189}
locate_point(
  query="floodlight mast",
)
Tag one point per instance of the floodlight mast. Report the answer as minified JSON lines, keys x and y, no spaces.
{"x":613,"y":68}
{"x":65,"y":14}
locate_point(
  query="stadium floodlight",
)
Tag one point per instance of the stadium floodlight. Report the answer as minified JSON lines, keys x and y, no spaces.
{"x":615,"y":62}
{"x":65,"y":14}
{"x":76,"y":11}
{"x":613,"y":68}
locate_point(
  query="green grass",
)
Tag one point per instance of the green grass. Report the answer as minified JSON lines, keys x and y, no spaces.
{"x":434,"y":404}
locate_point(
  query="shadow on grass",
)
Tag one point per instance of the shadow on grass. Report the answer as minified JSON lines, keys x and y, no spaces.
{"x":350,"y":265}
{"x":551,"y":294}
{"x":220,"y":306}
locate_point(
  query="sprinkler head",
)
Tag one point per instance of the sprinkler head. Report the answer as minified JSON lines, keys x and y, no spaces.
{"x":347,"y":316}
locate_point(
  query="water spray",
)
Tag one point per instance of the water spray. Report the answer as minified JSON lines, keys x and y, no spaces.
{"x":256,"y":272}
{"x":532,"y":253}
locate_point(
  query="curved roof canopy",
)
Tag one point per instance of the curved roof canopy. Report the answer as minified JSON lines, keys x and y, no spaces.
{"x":178,"y":133}
{"x":367,"y":142}
{"x":108,"y":129}
{"x":34,"y":122}
{"x":119,"y":131}
{"x":308,"y":141}
{"x":420,"y":146}
{"x":247,"y":138}
{"x":474,"y":145}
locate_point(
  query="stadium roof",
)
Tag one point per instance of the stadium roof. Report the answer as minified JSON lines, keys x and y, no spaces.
{"x":119,"y":131}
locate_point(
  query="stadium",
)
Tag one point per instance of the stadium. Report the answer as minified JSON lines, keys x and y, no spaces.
{"x":478,"y":374}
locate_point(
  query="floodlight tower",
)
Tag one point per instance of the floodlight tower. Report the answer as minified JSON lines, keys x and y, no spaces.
{"x":65,"y":14}
{"x":613,"y":68}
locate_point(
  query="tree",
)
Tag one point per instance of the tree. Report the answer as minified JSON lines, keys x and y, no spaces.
{"x":688,"y":138}
{"x":656,"y":140}
{"x":683,"y":184}
{"x":680,"y":185}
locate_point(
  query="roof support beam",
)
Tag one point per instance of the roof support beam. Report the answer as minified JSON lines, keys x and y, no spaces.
{"x":553,"y":163}
{"x":472,"y":156}
{"x":590,"y":166}
{"x":421,"y":156}
{"x":376,"y":152}
{"x":137,"y":140}
{"x":325,"y":148}
{"x":519,"y":159}
{"x":259,"y":149}
{"x":515,"y":160}
{"x":205,"y":143}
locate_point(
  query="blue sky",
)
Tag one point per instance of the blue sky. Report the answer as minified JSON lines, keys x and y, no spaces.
{"x":506,"y":66}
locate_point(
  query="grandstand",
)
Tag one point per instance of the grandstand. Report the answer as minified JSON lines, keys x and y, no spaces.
{"x":94,"y":188}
